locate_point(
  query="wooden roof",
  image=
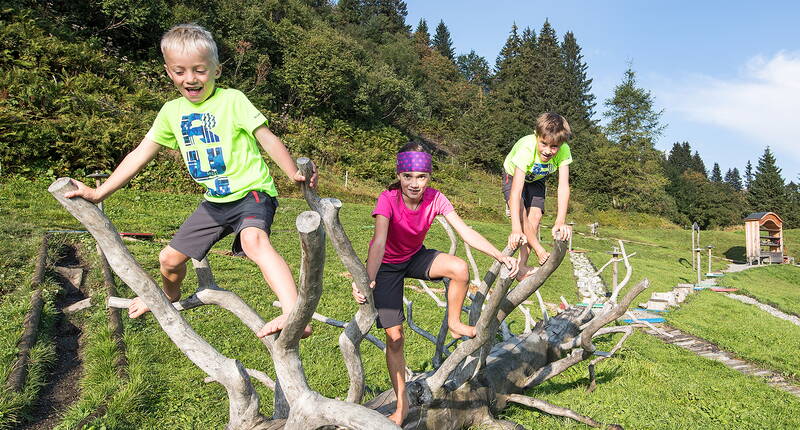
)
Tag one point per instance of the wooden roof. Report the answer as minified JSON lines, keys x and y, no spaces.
{"x":763,"y":217}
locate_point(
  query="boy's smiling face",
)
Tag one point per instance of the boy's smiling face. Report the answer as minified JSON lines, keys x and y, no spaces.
{"x":546,"y":150}
{"x":192,"y":72}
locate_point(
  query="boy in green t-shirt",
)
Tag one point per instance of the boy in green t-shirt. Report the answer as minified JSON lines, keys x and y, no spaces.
{"x":218,"y":132}
{"x":526,"y":168}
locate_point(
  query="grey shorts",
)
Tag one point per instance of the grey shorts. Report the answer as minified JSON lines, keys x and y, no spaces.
{"x":388,"y":294}
{"x":210,"y":222}
{"x":532,"y":192}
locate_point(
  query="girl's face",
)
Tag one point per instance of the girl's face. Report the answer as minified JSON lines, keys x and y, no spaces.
{"x":413,"y":184}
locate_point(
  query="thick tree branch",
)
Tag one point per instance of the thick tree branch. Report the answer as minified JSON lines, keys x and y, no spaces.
{"x":552,"y":409}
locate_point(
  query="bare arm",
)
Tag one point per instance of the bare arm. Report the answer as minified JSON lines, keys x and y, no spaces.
{"x":477,"y":241}
{"x":278,"y":152}
{"x":132,"y":164}
{"x":375,"y":256}
{"x":560,"y":229}
{"x":514,"y":200}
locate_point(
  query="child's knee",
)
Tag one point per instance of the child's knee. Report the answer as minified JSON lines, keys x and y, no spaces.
{"x":459,"y":270}
{"x":395,"y":338}
{"x":254,"y":240}
{"x":171,"y":259}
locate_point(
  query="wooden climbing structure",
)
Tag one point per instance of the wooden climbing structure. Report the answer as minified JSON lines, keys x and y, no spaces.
{"x":764,"y":237}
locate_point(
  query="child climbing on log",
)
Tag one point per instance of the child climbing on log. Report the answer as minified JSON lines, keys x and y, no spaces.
{"x":403,"y":215}
{"x":525,"y":169}
{"x":218,"y":132}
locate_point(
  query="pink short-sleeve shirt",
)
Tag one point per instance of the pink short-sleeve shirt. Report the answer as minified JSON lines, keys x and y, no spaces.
{"x":408,"y":228}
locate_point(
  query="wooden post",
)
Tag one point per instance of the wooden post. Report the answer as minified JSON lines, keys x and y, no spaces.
{"x":697,"y":251}
{"x":346,"y":174}
{"x":615,"y":254}
{"x":709,"y":247}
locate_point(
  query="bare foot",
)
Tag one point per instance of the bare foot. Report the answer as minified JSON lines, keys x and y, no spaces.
{"x":525,"y":271}
{"x":277,"y":325}
{"x":459,"y":330}
{"x":542,"y":254}
{"x":137,"y":308}
{"x":400,"y":414}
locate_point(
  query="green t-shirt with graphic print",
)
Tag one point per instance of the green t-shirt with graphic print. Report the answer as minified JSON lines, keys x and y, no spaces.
{"x":525,"y":156}
{"x":216,"y":140}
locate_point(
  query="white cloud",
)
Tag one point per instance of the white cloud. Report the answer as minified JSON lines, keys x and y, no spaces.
{"x":762,"y":102}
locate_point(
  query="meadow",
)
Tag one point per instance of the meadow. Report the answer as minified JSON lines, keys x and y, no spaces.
{"x":647,"y":385}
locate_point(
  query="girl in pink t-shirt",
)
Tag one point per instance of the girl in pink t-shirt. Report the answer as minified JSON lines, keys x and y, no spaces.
{"x":403,"y":215}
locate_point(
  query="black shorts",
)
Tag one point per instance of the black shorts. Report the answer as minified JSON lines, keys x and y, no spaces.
{"x":532,"y":192}
{"x":388,"y":292}
{"x":210,"y":222}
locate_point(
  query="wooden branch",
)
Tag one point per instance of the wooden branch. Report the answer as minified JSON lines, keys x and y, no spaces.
{"x":341,"y":324}
{"x":439,"y":302}
{"x":552,"y":409}
{"x":529,"y":322}
{"x":359,"y":326}
{"x":19,"y":372}
{"x":255,"y":374}
{"x":450,"y":234}
{"x":441,"y":352}
{"x":627,"y":330}
{"x":410,"y":320}
{"x":615,"y":312}
{"x":628,"y":272}
{"x":243,"y":399}
{"x":488,"y":280}
{"x":114,"y":319}
{"x":533,"y":282}
{"x":476,"y":280}
{"x":545,"y":315}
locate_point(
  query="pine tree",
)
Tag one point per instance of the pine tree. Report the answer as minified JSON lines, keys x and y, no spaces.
{"x":748,"y":175}
{"x":508,"y":55}
{"x":442,"y":42}
{"x":421,"y":34}
{"x":633,"y":121}
{"x":767,"y":192}
{"x":475,"y":69}
{"x":716,"y":173}
{"x":578,"y":86}
{"x":547,"y":78}
{"x":698,"y":165}
{"x":733,"y":179}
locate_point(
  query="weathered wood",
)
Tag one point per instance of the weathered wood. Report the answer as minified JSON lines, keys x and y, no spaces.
{"x":19,"y":372}
{"x":114,"y":319}
{"x":359,"y":326}
{"x":243,"y":399}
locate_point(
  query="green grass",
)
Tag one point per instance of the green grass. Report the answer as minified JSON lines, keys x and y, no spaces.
{"x":744,"y":329}
{"x":777,"y":285}
{"x":649,"y":385}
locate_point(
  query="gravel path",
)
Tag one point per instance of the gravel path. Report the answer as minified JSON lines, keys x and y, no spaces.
{"x":766,"y":308}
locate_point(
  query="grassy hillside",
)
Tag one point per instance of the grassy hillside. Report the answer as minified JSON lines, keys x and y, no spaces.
{"x":649,"y":385}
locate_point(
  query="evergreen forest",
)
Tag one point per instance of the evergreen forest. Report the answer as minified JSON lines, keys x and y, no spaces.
{"x":347,"y":83}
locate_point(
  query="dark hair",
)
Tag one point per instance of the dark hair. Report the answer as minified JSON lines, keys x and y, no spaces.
{"x":410,"y":146}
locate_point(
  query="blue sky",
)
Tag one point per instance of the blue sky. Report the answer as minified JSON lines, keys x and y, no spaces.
{"x":726,"y":73}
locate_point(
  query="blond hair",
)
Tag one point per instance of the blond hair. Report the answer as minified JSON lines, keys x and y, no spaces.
{"x":553,"y":128}
{"x":190,"y":37}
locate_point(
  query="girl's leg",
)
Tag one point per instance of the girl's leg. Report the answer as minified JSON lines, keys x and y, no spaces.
{"x":450,"y":266}
{"x":276,"y":272}
{"x":396,"y":363}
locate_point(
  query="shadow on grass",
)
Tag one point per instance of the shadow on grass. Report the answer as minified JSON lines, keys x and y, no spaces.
{"x":735,"y":253}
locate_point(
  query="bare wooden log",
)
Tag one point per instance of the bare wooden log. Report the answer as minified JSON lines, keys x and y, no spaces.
{"x":603,"y":319}
{"x":359,"y":326}
{"x":628,"y":272}
{"x":255,"y":374}
{"x":19,"y":372}
{"x":552,"y":409}
{"x":243,"y":399}
{"x":627,"y":330}
{"x":114,"y":319}
{"x":488,"y":280}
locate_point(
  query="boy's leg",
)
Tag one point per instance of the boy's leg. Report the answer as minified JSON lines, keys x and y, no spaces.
{"x":173,"y":269}
{"x":530,"y":227}
{"x":256,"y":244}
{"x":396,"y":363}
{"x":456,"y":269}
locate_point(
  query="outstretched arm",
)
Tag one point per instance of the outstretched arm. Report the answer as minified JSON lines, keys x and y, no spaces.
{"x":278,"y":152}
{"x":562,"y":231}
{"x":514,"y":200}
{"x":376,"y":250}
{"x":477,"y":241}
{"x":127,"y":169}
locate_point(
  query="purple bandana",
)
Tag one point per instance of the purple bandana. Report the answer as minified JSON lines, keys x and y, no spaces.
{"x":414,"y":162}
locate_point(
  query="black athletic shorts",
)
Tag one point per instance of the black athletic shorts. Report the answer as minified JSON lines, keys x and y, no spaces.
{"x":210,"y":222}
{"x":388,"y":292}
{"x":532,"y":192}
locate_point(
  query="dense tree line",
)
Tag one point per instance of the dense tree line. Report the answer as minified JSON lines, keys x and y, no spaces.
{"x":346,"y":83}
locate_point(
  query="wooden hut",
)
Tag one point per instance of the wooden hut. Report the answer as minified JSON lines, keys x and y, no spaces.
{"x":764,"y":236}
